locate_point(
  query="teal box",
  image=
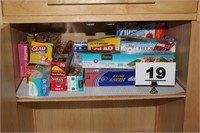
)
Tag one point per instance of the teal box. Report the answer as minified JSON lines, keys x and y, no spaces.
{"x":120,"y":60}
{"x":39,"y":82}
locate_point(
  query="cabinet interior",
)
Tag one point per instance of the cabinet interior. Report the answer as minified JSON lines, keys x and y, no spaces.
{"x":125,"y":115}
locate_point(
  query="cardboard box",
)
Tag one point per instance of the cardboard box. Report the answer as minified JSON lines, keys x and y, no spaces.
{"x":58,"y":83}
{"x":143,"y":45}
{"x":109,"y":77}
{"x":59,"y":67}
{"x":110,"y":44}
{"x":141,"y":29}
{"x":39,"y":82}
{"x":125,"y":61}
{"x":23,"y":57}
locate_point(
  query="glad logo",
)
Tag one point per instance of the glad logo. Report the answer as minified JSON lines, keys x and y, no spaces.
{"x":38,"y":48}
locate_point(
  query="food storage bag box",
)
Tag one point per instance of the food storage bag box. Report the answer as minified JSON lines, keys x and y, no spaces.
{"x":141,"y":29}
{"x":110,"y":44}
{"x":120,"y":60}
{"x":58,"y":83}
{"x":109,"y":77}
{"x":39,"y":82}
{"x":23,"y":57}
{"x":131,"y":45}
{"x":41,"y":53}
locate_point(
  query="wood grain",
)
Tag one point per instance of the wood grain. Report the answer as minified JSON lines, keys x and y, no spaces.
{"x":9,"y":116}
{"x":74,"y":2}
{"x":99,"y":18}
{"x":191,"y":123}
{"x":170,"y":115}
{"x":99,"y":116}
{"x":181,"y":32}
{"x":41,"y":8}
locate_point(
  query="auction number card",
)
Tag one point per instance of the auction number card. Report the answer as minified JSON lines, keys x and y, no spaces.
{"x":163,"y":73}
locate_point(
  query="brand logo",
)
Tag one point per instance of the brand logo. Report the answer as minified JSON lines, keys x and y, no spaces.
{"x":106,"y":57}
{"x":131,"y":78}
{"x":38,"y":48}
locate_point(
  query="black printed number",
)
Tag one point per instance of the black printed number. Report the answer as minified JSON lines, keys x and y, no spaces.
{"x":160,"y":71}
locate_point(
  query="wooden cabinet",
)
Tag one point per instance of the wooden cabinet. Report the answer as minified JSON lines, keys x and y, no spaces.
{"x":153,"y":113}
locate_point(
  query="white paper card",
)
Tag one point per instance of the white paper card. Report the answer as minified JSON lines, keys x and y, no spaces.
{"x":163,"y":73}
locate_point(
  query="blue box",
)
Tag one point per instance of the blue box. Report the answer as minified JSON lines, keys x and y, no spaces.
{"x":39,"y":82}
{"x":109,"y":77}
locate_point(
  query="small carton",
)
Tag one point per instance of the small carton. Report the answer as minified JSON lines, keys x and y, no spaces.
{"x":58,"y":83}
{"x":39,"y":82}
{"x":110,"y":44}
{"x":109,"y":77}
{"x":23,"y":57}
{"x":75,"y":83}
{"x":58,"y":67}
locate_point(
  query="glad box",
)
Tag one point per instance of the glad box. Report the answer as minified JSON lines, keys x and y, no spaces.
{"x":58,"y":83}
{"x":109,"y":77}
{"x":119,"y":60}
{"x":110,"y":44}
{"x":41,"y":53}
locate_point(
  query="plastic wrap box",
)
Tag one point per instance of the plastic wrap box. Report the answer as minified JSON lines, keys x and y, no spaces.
{"x":125,"y":61}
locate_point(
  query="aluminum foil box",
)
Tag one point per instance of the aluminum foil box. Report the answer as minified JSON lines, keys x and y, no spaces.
{"x":109,"y":77}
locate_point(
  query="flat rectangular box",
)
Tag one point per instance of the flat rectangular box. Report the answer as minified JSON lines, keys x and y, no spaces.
{"x":39,"y":82}
{"x":23,"y":57}
{"x":110,"y":44}
{"x":109,"y":77}
{"x":141,"y":29}
{"x":132,"y":45}
{"x":125,"y":61}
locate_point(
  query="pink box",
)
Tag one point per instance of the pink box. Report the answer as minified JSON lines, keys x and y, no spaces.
{"x":23,"y":57}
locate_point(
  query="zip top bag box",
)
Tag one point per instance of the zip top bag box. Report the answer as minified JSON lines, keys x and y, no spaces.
{"x":41,"y":49}
{"x":39,"y":81}
{"x":109,"y":77}
{"x":141,"y":29}
{"x":123,"y":61}
{"x":132,"y":45}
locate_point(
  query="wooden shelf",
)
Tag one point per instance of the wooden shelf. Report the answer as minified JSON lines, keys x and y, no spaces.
{"x":102,"y":94}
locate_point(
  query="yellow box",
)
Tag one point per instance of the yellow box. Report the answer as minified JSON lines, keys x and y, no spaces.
{"x":110,"y":44}
{"x":41,"y":53}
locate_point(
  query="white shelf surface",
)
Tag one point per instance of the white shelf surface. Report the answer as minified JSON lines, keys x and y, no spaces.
{"x":103,"y":91}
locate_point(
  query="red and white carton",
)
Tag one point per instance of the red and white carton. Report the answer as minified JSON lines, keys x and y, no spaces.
{"x":58,"y":83}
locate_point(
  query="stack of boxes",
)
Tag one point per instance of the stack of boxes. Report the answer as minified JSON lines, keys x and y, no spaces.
{"x":71,"y":66}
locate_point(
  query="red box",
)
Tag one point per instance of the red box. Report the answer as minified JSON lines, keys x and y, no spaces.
{"x":58,"y":67}
{"x":58,"y":83}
